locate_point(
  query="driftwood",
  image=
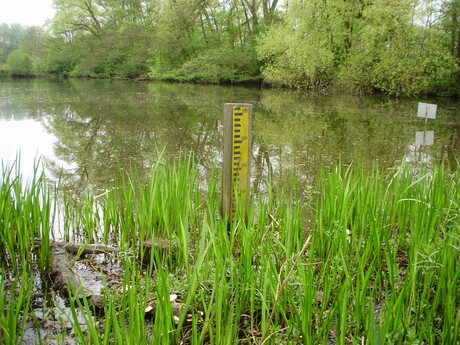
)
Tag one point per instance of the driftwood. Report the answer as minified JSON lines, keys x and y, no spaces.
{"x":65,"y":279}
{"x":99,"y":248}
{"x":61,"y":271}
{"x":85,"y":248}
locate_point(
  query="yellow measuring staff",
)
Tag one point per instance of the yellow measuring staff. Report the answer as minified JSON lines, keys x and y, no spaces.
{"x":236,"y":158}
{"x":240,"y":156}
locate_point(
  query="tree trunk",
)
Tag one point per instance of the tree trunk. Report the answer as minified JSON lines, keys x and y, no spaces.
{"x":458,"y":47}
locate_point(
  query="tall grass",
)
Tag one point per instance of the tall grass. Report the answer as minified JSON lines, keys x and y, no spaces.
{"x":385,"y":240}
{"x":15,"y":299}
{"x":373,"y":257}
{"x":26,"y":213}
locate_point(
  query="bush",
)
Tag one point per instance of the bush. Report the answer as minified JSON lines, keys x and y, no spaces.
{"x":295,"y":58}
{"x":61,"y":62}
{"x":19,"y":64}
{"x":221,"y":65}
{"x":392,"y":55}
{"x":414,"y":64}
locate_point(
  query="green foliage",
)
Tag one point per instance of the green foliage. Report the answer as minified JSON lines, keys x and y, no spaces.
{"x":220,"y":65}
{"x":450,"y":23}
{"x":33,"y":42}
{"x":122,"y":55}
{"x":10,"y":39}
{"x":61,"y":64}
{"x":30,"y":41}
{"x":167,"y":41}
{"x":378,"y":261}
{"x":19,"y":64}
{"x":365,"y":46}
{"x":294,"y":58}
{"x":303,"y":52}
{"x":396,"y":57}
{"x":405,"y":47}
{"x":62,"y":56}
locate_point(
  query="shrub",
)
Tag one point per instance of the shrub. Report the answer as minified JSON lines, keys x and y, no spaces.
{"x":19,"y":64}
{"x":296,"y":58}
{"x":221,"y":65}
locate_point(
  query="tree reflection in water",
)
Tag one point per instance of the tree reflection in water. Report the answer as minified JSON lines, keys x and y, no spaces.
{"x":102,"y":126}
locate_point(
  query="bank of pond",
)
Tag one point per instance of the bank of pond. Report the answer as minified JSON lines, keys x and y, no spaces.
{"x":364,"y":256}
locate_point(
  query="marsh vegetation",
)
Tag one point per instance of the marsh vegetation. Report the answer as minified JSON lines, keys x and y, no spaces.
{"x":364,"y":256}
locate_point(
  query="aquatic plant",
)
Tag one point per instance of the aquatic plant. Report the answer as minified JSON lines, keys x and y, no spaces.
{"x":26,"y":213}
{"x":370,"y":257}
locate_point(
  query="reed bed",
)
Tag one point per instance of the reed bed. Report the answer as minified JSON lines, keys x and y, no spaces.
{"x":25,"y":214}
{"x":371,"y":257}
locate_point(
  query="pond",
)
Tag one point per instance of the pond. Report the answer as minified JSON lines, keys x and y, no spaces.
{"x":84,"y":130}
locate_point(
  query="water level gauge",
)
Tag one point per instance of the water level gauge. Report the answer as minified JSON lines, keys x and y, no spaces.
{"x":236,"y":159}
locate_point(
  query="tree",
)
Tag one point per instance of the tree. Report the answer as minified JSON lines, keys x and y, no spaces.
{"x":63,"y":55}
{"x":221,"y":65}
{"x":10,"y":39}
{"x":393,"y":55}
{"x":451,"y":25}
{"x":365,"y":45}
{"x":304,"y":50}
{"x":33,"y":42}
{"x":175,"y":35}
{"x":398,"y":47}
{"x":79,"y":15}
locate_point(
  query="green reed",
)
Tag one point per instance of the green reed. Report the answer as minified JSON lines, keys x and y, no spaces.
{"x":370,"y":257}
{"x":26,"y":213}
{"x":15,"y":299}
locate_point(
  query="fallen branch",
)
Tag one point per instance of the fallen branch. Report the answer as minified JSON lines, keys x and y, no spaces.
{"x":61,"y":271}
{"x":99,"y":248}
{"x":85,"y":248}
{"x":65,"y":279}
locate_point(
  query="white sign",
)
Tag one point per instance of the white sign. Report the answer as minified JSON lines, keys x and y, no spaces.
{"x":424,"y":138}
{"x":427,"y":110}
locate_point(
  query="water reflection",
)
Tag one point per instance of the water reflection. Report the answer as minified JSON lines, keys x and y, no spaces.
{"x":416,"y":153}
{"x":96,"y":126}
{"x":418,"y":156}
{"x":27,"y":139}
{"x":424,"y":138}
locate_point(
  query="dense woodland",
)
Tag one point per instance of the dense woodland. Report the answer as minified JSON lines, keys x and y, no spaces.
{"x":399,"y":47}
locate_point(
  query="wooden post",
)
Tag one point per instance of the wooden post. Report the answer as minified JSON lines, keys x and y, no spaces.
{"x":236,"y":165}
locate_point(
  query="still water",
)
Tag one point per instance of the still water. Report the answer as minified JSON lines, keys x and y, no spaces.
{"x":84,"y":130}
